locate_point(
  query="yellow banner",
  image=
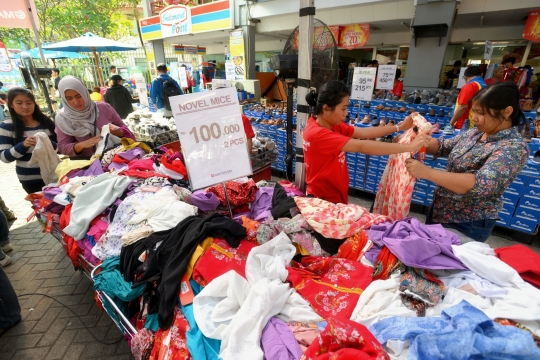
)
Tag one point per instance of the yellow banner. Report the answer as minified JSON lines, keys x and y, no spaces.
{"x":238,"y":55}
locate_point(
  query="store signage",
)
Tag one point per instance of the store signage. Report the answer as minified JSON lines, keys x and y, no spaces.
{"x":229,"y":71}
{"x":353,"y":36}
{"x":5,"y":63}
{"x":212,"y":135}
{"x":140,"y":87}
{"x":532,"y":26}
{"x":488,"y":50}
{"x":221,"y":83}
{"x":385,"y":77}
{"x":363,"y":83}
{"x":175,"y":20}
{"x":236,"y":43}
{"x":182,"y":74}
{"x":14,"y":14}
{"x":461,"y":81}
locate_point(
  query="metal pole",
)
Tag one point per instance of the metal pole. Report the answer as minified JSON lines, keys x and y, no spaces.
{"x":289,"y":159}
{"x":526,"y":53}
{"x":307,"y":11}
{"x":36,"y":33}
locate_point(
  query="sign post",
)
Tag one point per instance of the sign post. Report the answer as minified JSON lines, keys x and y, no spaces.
{"x":229,"y":71}
{"x":385,"y":77}
{"x":461,"y":80}
{"x":488,"y":50}
{"x":140,"y":87}
{"x":212,"y":135}
{"x":183,"y":77}
{"x":220,"y":84}
{"x":363,"y":83}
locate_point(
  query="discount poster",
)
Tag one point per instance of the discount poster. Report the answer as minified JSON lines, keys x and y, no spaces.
{"x":532,"y":27}
{"x":238,"y":55}
{"x":353,"y":36}
{"x":5,"y":63}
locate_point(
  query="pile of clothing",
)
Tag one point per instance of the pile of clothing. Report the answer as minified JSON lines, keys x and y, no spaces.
{"x":289,"y":276}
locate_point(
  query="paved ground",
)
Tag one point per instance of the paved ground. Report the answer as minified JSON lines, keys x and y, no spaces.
{"x":48,"y":330}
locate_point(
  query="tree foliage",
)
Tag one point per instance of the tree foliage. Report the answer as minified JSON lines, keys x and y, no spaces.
{"x":66,"y":19}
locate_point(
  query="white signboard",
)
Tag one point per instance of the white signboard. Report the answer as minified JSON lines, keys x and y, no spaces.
{"x":461,"y":80}
{"x":385,"y":77}
{"x":212,"y":135}
{"x":488,"y":50}
{"x":182,"y":75}
{"x":230,"y":73}
{"x":220,"y":84}
{"x":363,"y":83}
{"x":140,"y":87}
{"x":175,"y":20}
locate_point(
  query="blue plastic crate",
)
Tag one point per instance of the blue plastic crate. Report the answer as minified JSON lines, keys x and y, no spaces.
{"x":523,"y":225}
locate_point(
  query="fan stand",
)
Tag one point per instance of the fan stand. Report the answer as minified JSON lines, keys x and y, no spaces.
{"x":291,"y":84}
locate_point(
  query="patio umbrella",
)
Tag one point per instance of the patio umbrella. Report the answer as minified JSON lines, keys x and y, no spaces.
{"x":91,"y":43}
{"x":52,"y":54}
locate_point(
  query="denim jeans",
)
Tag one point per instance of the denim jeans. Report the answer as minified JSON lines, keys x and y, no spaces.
{"x":478,"y":230}
{"x":10,"y":310}
{"x":4,"y":233}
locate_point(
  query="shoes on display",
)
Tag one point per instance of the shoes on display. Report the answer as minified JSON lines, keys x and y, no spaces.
{"x":536,"y":157}
{"x":411,"y":110}
{"x":388,"y":108}
{"x":410,"y":99}
{"x":367,"y":105}
{"x":403,"y":97}
{"x":402,"y":109}
{"x":395,"y":109}
{"x":418,"y":100}
{"x":449,"y":104}
{"x":433,"y":101}
{"x":366,"y":119}
{"x":395,"y":98}
{"x":432,"y":112}
{"x":435,"y":129}
{"x":441,"y":113}
{"x":379,"y":107}
{"x":375,"y":121}
{"x":441,"y":102}
{"x":448,"y":130}
{"x":391,"y":123}
{"x":389,"y":97}
{"x":7,"y":248}
{"x":5,"y":261}
{"x":382,"y":122}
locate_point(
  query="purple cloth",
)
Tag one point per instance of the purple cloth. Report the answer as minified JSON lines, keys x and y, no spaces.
{"x":205,"y":201}
{"x":50,"y":192}
{"x":54,"y":208}
{"x":85,"y":246}
{"x":117,"y":166}
{"x":417,"y":245}
{"x":262,"y":205}
{"x":135,"y":153}
{"x":94,"y":169}
{"x":278,"y":342}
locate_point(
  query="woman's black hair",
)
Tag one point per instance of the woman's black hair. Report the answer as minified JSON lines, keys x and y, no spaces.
{"x":495,"y":98}
{"x":398,"y":74}
{"x":330,"y":94}
{"x":38,"y":115}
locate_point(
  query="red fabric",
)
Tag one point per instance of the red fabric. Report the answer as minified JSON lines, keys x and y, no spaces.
{"x":176,"y":165}
{"x":345,"y":339}
{"x":525,"y":261}
{"x":352,"y":247}
{"x":171,"y":344}
{"x":239,"y":194}
{"x":72,"y":248}
{"x":120,"y":160}
{"x":142,"y":174}
{"x":247,"y":127}
{"x":141,"y":165}
{"x":251,"y":228}
{"x":327,"y":175}
{"x":385,"y":264}
{"x":465,"y":96}
{"x":332,"y":286}
{"x":398,"y":88}
{"x":221,"y":258}
{"x":489,"y":81}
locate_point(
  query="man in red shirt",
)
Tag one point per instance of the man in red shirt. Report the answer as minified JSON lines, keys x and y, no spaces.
{"x":463,"y":110}
{"x":510,"y":71}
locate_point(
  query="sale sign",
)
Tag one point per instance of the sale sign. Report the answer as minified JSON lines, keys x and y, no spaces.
{"x":353,"y":36}
{"x":211,"y":132}
{"x":5,"y":63}
{"x":532,"y":26}
{"x":363,"y":83}
{"x":385,"y":77}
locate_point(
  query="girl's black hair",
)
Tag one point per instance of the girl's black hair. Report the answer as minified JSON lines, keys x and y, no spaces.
{"x":38,"y":115}
{"x":495,"y":98}
{"x":330,"y":94}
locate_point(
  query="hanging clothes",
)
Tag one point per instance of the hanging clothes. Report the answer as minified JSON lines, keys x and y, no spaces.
{"x":46,"y":157}
{"x":396,"y":186}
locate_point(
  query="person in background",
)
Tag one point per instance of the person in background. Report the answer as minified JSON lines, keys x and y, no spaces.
{"x":189,"y":79}
{"x":482,"y":162}
{"x":17,"y":138}
{"x":2,"y":103}
{"x":248,"y":130}
{"x":56,"y":76}
{"x":509,"y":70}
{"x":327,"y":138}
{"x":498,"y":74}
{"x":463,"y":112}
{"x":10,"y":215}
{"x":5,"y":247}
{"x":79,"y":123}
{"x":452,"y":74}
{"x":119,"y":97}
{"x":156,"y":90}
{"x":96,"y":94}
{"x":398,"y":84}
{"x":113,"y":70}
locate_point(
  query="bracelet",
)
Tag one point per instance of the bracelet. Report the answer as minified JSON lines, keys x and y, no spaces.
{"x":397,"y":128}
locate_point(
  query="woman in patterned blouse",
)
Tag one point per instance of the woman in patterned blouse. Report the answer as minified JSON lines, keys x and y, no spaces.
{"x":482,"y":162}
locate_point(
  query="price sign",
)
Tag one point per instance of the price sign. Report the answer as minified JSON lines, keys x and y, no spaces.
{"x":385,"y":77}
{"x":461,"y":80}
{"x":220,"y":84}
{"x":211,"y":132}
{"x":140,"y":87}
{"x":183,"y":77}
{"x":363,"y":83}
{"x":488,"y":50}
{"x":230,"y":73}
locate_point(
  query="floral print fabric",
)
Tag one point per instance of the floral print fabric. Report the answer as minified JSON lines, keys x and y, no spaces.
{"x":396,"y":186}
{"x":345,"y":340}
{"x":142,"y":344}
{"x":336,"y":221}
{"x":332,"y":286}
{"x":297,"y":229}
{"x":239,"y":194}
{"x":496,"y":162}
{"x":171,"y":344}
{"x":419,"y":289}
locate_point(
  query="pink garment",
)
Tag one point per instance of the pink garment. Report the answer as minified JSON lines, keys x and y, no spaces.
{"x":304,"y":334}
{"x":396,"y":186}
{"x":98,"y":229}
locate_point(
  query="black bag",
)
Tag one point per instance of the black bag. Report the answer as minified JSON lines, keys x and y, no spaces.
{"x":169,"y":89}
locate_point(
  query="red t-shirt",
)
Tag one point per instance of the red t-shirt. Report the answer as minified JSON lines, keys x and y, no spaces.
{"x":464,"y":98}
{"x":248,"y":129}
{"x":489,"y":81}
{"x":327,"y":176}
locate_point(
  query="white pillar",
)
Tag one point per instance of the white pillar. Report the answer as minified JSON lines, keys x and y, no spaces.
{"x":526,"y":53}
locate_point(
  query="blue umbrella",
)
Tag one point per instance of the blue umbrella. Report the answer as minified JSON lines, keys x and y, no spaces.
{"x":52,"y":54}
{"x":91,"y":43}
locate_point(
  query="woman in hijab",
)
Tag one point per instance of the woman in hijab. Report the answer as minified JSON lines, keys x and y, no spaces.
{"x":79,"y":122}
